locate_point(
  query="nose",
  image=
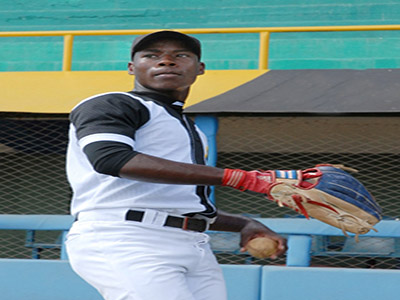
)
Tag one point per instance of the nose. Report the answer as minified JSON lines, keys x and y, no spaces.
{"x":167,"y":60}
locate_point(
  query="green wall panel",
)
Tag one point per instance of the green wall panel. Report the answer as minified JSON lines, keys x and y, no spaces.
{"x":237,"y":51}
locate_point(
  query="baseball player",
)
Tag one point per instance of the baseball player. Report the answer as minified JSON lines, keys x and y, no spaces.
{"x":141,"y":186}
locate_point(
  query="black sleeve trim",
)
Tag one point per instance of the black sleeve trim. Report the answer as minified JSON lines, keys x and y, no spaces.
{"x":109,"y":113}
{"x":109,"y":157}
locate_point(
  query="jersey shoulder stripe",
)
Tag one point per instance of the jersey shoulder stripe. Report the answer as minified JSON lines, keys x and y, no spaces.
{"x":104,"y":137}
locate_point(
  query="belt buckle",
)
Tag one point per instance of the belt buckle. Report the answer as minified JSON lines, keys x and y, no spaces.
{"x":154,"y":217}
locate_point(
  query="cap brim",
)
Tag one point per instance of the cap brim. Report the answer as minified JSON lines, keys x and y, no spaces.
{"x":141,"y":42}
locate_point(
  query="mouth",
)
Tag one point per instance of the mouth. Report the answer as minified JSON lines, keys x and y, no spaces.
{"x":166,"y":74}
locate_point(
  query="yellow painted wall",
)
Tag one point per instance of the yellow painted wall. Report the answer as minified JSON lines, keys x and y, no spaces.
{"x":59,"y":92}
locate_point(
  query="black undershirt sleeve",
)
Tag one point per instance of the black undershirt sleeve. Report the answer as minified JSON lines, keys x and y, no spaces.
{"x":109,"y":157}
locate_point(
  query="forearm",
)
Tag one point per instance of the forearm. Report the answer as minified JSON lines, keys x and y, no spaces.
{"x":229,"y":222}
{"x":153,"y":169}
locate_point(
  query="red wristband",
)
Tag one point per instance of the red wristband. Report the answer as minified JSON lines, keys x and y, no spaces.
{"x":256,"y":181}
{"x":234,"y":178}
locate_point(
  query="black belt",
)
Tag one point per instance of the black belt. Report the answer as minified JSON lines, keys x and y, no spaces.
{"x":185,"y":223}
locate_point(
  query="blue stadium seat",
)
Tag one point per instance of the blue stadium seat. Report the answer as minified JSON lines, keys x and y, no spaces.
{"x":304,"y":283}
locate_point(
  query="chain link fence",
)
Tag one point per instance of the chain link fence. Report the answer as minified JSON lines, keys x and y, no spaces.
{"x":369,"y":144}
{"x":33,"y":181}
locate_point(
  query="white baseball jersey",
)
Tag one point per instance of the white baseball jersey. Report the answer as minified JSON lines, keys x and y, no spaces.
{"x":148,"y":124}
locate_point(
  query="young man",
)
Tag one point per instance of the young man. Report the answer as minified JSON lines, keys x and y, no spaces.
{"x":136,"y":165}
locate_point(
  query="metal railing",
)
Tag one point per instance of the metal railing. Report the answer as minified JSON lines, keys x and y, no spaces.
{"x":264,"y":33}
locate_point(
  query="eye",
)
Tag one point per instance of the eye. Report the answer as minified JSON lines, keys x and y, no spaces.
{"x":150,"y":55}
{"x":183,"y":55}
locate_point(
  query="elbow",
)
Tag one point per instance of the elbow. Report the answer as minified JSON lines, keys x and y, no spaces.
{"x":109,"y":157}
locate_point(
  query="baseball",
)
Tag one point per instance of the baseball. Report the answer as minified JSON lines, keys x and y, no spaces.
{"x":261,"y":247}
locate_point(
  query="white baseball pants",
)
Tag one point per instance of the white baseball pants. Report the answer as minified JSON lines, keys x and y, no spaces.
{"x":127,"y":260}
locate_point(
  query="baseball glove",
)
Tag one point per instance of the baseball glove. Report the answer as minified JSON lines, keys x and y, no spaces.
{"x":326,"y":192}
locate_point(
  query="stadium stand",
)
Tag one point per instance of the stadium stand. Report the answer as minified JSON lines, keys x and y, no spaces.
{"x":289,"y":51}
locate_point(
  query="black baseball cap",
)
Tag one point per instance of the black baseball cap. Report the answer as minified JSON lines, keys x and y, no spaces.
{"x":192,"y":43}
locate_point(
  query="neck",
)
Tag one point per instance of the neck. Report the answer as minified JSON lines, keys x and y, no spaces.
{"x":173,"y":94}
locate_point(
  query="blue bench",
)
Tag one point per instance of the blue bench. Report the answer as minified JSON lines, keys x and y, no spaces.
{"x":304,"y":283}
{"x":32,"y":223}
{"x":299,"y":232}
{"x":243,"y":282}
{"x":36,"y":279}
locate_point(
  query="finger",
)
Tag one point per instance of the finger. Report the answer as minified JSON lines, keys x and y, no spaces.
{"x":282,"y":247}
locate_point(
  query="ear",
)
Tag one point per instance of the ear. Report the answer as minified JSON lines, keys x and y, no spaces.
{"x":202,"y":68}
{"x":131,"y":68}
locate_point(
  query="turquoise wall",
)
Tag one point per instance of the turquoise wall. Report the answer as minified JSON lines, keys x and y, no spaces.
{"x":356,"y":50}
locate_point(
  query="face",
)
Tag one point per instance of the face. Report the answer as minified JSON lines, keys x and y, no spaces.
{"x":166,"y":66}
